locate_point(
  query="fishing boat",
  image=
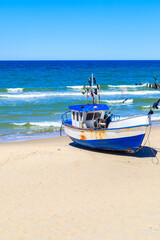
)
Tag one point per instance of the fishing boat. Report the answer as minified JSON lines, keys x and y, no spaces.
{"x":96,"y":126}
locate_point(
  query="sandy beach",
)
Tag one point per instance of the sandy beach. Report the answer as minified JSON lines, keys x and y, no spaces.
{"x":54,"y":189}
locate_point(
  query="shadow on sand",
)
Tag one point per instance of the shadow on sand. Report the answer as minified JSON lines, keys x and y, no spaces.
{"x":145,"y":152}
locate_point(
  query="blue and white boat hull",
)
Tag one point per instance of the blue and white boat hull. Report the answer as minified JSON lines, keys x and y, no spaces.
{"x":124,"y":135}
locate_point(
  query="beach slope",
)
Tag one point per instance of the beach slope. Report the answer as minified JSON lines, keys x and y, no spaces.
{"x":54,"y":189}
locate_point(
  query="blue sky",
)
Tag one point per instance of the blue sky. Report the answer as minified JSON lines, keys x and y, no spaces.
{"x":79,"y":30}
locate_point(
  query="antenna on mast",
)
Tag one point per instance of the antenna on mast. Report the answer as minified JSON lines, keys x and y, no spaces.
{"x":94,"y":90}
{"x":92,"y":93}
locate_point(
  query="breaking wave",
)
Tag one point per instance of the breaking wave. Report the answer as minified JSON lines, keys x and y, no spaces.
{"x":155,"y":117}
{"x":38,"y":95}
{"x":22,"y":90}
{"x":78,"y":87}
{"x":131,"y":93}
{"x":63,"y":94}
{"x":33,"y":125}
{"x":75,"y":87}
{"x":148,"y":107}
{"x":111,"y":86}
{"x":44,"y":124}
{"x":128,"y":86}
{"x":14,"y":90}
{"x":129,"y":101}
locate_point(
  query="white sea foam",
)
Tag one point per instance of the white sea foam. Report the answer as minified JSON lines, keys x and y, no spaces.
{"x":112,"y":86}
{"x":79,"y":87}
{"x":127,"y":86}
{"x":129,"y":101}
{"x":147,"y":106}
{"x":40,"y":124}
{"x":63,"y":94}
{"x":14,"y":90}
{"x":39,"y":95}
{"x":155,"y":117}
{"x":46,"y":124}
{"x":75,"y":87}
{"x":130,"y":93}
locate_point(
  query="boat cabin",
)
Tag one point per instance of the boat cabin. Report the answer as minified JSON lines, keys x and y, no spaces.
{"x":85,"y":116}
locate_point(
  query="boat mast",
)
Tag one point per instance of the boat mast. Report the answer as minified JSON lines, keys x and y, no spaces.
{"x":87,"y":95}
{"x":92,"y":89}
{"x":92,"y":80}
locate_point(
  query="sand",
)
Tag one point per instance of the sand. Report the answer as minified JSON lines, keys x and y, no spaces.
{"x":53,"y":189}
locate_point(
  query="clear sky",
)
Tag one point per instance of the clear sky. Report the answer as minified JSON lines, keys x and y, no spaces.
{"x":79,"y":29}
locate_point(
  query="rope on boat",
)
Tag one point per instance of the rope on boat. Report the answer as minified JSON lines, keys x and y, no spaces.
{"x":147,"y":136}
{"x":157,"y":160}
{"x":155,"y":106}
{"x":61,"y":129}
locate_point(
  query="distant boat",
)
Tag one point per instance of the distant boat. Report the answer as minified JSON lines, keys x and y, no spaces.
{"x":95,"y":125}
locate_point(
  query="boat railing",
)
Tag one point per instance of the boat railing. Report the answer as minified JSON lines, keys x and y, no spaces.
{"x":115,"y":118}
{"x":66,"y":117}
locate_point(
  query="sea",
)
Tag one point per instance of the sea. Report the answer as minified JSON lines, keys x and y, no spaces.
{"x":34,"y":94}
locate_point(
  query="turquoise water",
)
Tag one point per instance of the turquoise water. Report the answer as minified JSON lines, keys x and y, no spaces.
{"x":34,"y":94}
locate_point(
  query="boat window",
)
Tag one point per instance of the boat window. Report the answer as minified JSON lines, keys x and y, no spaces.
{"x":89,"y":116}
{"x":73,"y":115}
{"x":77,"y":116}
{"x":81,"y":114}
{"x":97,"y":115}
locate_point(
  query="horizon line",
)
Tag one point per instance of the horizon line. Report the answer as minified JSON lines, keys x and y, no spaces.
{"x":14,"y":60}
